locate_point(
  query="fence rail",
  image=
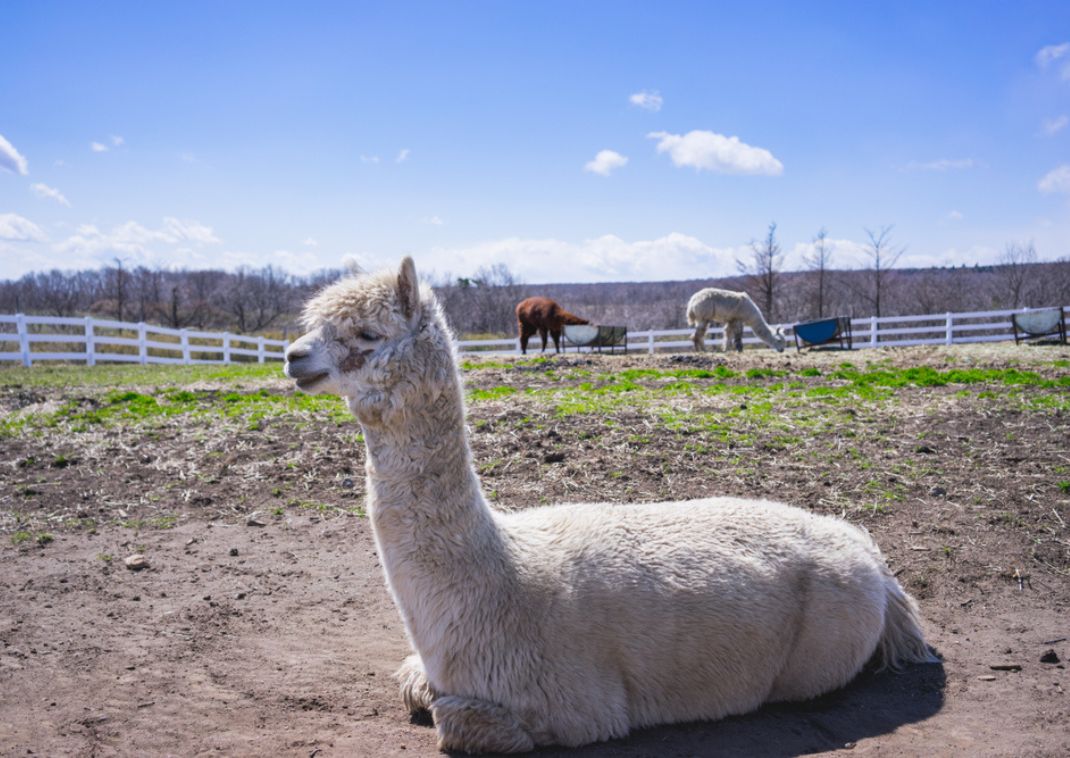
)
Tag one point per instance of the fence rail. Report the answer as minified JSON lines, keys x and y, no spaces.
{"x":93,"y":341}
{"x":868,"y":332}
{"x":145,"y":343}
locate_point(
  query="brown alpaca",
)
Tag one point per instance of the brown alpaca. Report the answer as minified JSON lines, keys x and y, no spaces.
{"x":542,"y":315}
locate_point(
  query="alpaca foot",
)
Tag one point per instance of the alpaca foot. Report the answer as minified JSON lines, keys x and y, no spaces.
{"x":476,"y":726}
{"x":416,"y":693}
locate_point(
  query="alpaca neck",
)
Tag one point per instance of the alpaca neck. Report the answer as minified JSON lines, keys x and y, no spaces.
{"x":432,"y":526}
{"x":761,"y":330}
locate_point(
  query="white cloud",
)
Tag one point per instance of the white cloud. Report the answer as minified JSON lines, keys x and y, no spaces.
{"x":117,"y":141}
{"x":98,"y":147}
{"x":955,"y":216}
{"x":403,"y":155}
{"x":369,"y":158}
{"x":1052,"y":126}
{"x":10,"y":158}
{"x":19,"y":229}
{"x":605,"y":162}
{"x":51,"y":193}
{"x":941,"y":165}
{"x":1051,"y":53}
{"x":175,"y":239}
{"x":844,"y":253}
{"x":605,"y":258}
{"x":647,"y":100}
{"x":311,"y":242}
{"x":432,"y":220}
{"x":710,"y":151}
{"x":1056,"y":180}
{"x":1048,"y":55}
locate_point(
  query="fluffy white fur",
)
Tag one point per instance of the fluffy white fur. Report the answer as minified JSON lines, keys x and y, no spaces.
{"x":734,"y":310}
{"x":576,"y":623}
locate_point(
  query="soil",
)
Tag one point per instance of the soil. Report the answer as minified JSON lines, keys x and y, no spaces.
{"x":274,"y":635}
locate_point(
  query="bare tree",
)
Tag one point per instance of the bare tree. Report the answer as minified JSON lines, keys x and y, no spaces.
{"x":762,"y":272}
{"x":817,"y":260}
{"x":1016,"y":271}
{"x":883,"y":256}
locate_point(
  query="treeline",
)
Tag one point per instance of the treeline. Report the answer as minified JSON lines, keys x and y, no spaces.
{"x":269,"y":301}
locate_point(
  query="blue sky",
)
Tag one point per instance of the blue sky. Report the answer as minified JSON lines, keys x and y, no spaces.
{"x":591,"y":141}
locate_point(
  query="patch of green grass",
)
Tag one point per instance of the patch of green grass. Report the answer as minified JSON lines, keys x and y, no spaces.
{"x":44,"y":539}
{"x":21,"y":536}
{"x":129,"y":407}
{"x":1064,"y":487}
{"x":493,"y":393}
{"x":152,"y":375}
{"x":166,"y":521}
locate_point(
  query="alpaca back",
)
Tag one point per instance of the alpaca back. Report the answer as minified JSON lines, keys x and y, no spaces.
{"x":712,"y":304}
{"x":627,"y":599}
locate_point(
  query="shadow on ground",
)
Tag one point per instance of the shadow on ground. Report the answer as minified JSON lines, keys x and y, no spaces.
{"x":872,"y":705}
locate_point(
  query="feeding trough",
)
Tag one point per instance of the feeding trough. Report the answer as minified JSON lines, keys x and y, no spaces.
{"x":1044,"y":323}
{"x":822,"y":331}
{"x":596,"y":337}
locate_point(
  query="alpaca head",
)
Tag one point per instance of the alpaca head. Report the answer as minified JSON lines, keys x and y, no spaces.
{"x":378,"y":340}
{"x":779,"y":340}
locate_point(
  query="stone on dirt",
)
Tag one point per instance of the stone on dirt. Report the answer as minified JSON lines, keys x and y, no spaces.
{"x":136,"y":562}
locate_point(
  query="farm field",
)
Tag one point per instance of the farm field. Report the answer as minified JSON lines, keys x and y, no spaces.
{"x":262,"y":625}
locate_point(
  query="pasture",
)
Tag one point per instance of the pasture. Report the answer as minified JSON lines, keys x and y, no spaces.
{"x":262,"y":624}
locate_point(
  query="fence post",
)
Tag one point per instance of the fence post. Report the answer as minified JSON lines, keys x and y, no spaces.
{"x":24,"y":339}
{"x":650,"y":342}
{"x":185,"y":346}
{"x":949,"y":337}
{"x":260,"y":349}
{"x":142,"y":348}
{"x":90,"y":350}
{"x":872,"y":331}
{"x":226,"y":347}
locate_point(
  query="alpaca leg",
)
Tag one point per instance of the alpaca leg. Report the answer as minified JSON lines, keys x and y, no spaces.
{"x":525,"y":334}
{"x":542,"y":336}
{"x":699,"y":337}
{"x":738,"y":336}
{"x":729,"y":332}
{"x":557,"y":340}
{"x":416,"y":693}
{"x":476,"y":726}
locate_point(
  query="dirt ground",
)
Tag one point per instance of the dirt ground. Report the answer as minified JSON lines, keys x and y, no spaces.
{"x":262,"y":625}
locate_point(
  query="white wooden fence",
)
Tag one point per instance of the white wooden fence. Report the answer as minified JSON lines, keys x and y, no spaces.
{"x":137,"y":343}
{"x":144,"y":343}
{"x":868,"y":332}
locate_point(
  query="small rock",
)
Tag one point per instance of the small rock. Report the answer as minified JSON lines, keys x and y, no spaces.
{"x":136,"y":598}
{"x":137,"y":562}
{"x":240,"y":596}
{"x":986,"y":678}
{"x":347,"y":484}
{"x":1049,"y":657}
{"x":553,"y":457}
{"x":255,"y":520}
{"x":1005,"y":667}
{"x":233,"y":552}
{"x":938,"y":492}
{"x":190,"y":541}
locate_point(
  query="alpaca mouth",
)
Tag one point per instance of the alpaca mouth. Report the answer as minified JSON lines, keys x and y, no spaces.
{"x":305,"y":382}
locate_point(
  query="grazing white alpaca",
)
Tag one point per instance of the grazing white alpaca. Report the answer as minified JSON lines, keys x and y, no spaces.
{"x":576,"y":623}
{"x":734,"y":310}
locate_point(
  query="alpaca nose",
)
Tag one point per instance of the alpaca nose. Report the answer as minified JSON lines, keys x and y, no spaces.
{"x":296,"y":352}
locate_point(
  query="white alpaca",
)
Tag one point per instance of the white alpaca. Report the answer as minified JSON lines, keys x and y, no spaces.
{"x":734,"y":310}
{"x":575,"y":623}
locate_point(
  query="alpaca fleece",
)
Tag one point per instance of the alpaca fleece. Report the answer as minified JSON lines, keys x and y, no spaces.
{"x":575,"y":623}
{"x":735,"y":310}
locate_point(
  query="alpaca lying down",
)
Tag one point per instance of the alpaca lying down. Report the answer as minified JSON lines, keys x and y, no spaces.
{"x":575,"y":623}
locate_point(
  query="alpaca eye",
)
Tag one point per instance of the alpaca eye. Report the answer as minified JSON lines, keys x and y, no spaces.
{"x":369,"y":336}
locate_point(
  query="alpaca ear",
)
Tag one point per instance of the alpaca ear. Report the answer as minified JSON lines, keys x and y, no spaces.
{"x":408,"y":287}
